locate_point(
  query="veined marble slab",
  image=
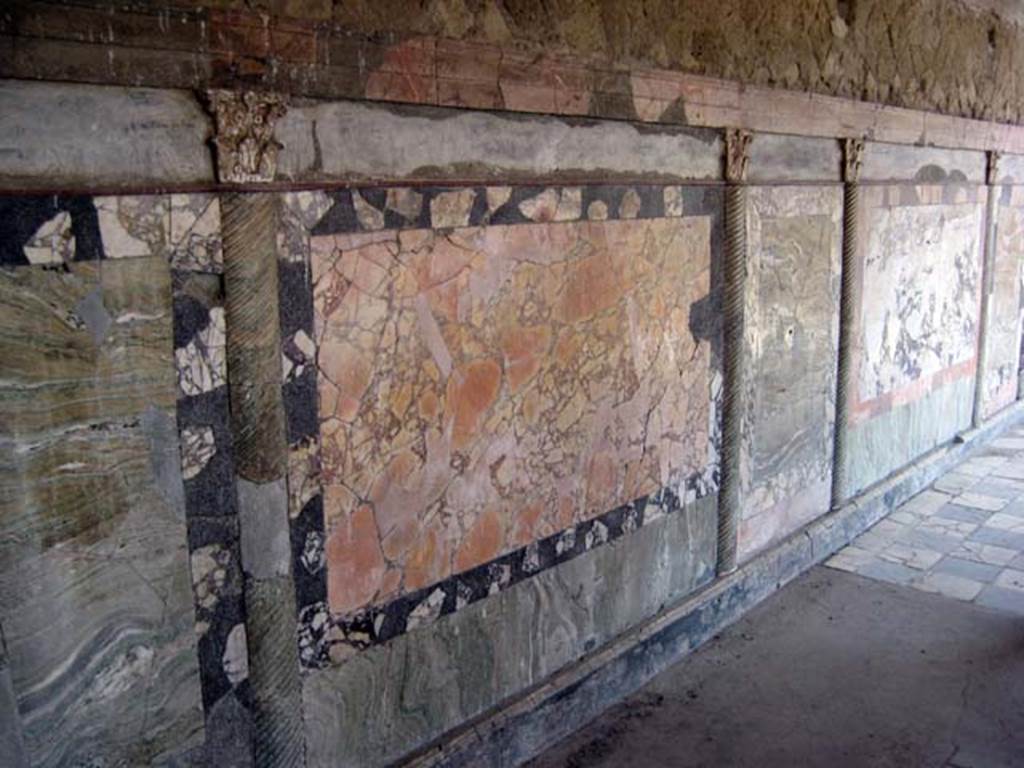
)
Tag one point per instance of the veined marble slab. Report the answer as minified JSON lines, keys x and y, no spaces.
{"x":95,"y":595}
{"x":791,"y":341}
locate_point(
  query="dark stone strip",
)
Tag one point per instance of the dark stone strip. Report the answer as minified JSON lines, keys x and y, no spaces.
{"x":22,"y":216}
{"x":299,"y":394}
{"x":636,"y":201}
{"x":212,"y":526}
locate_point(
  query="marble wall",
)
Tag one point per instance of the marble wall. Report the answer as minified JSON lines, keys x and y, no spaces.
{"x":500,"y":378}
{"x":502,"y":406}
{"x":1003,"y":335}
{"x":96,"y":604}
{"x":792,"y":326}
{"x":917,"y":323}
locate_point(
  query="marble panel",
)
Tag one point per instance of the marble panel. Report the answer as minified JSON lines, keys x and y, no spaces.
{"x":791,"y":342}
{"x":95,"y":595}
{"x":397,"y":696}
{"x":486,"y":387}
{"x":920,"y":289}
{"x":1004,"y":309}
{"x":917,"y":323}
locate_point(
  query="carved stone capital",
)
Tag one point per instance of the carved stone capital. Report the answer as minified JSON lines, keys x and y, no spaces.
{"x":244,"y":122}
{"x":992,"y":167}
{"x":737,"y":154}
{"x":853,"y":154}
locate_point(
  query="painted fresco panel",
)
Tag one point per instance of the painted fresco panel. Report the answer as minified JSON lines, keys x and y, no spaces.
{"x":791,"y":339}
{"x":920,"y":267}
{"x":485,"y":387}
{"x":1004,"y":308}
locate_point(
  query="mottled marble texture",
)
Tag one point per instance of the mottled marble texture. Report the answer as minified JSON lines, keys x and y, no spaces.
{"x":485,"y":387}
{"x":792,"y":297}
{"x":95,"y":598}
{"x":1004,"y":310}
{"x":207,"y":470}
{"x":420,"y":685}
{"x":55,"y":229}
{"x":920,"y":273}
{"x":917,"y":322}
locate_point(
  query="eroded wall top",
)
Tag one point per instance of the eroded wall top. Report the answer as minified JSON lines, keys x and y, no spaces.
{"x":942,"y":55}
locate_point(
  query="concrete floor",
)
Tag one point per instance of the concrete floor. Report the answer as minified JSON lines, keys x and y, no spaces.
{"x":837,"y":669}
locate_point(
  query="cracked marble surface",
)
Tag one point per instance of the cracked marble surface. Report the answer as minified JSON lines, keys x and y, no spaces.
{"x":467,"y":388}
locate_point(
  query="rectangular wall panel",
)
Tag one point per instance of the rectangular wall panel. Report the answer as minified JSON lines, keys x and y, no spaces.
{"x":1004,"y":308}
{"x":917,"y":323}
{"x":505,"y":377}
{"x":95,"y":597}
{"x":792,"y":312}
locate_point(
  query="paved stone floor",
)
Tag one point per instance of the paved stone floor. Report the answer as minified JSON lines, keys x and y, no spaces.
{"x":906,"y":650}
{"x":963,"y":538}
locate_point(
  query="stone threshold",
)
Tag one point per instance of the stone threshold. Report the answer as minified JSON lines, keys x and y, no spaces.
{"x":524,"y":726}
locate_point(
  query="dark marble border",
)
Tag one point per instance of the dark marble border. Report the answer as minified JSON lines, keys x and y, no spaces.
{"x":305,"y":497}
{"x":323,"y":638}
{"x":371,"y":209}
{"x":210,"y":507}
{"x":378,"y":624}
{"x":22,"y":216}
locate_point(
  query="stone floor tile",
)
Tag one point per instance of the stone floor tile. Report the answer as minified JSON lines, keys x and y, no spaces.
{"x":1011,"y":469}
{"x":963,"y":514}
{"x":980,"y":501}
{"x":926,"y":502}
{"x":906,"y":517}
{"x":1008,"y":443}
{"x":950,"y":585}
{"x":1014,"y":508}
{"x":1010,"y":579}
{"x":891,"y":572}
{"x":1006,"y":522}
{"x":1003,"y":599}
{"x":999,"y":538}
{"x":850,"y":559}
{"x":957,"y":529}
{"x":881,"y":535}
{"x":967,"y":569}
{"x":979,"y":466}
{"x":999,"y":487}
{"x":912,"y":557}
{"x":933,"y":540}
{"x":984,"y":553}
{"x":955,"y":482}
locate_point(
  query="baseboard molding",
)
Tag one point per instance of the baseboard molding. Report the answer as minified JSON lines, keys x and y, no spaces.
{"x":520,"y":729}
